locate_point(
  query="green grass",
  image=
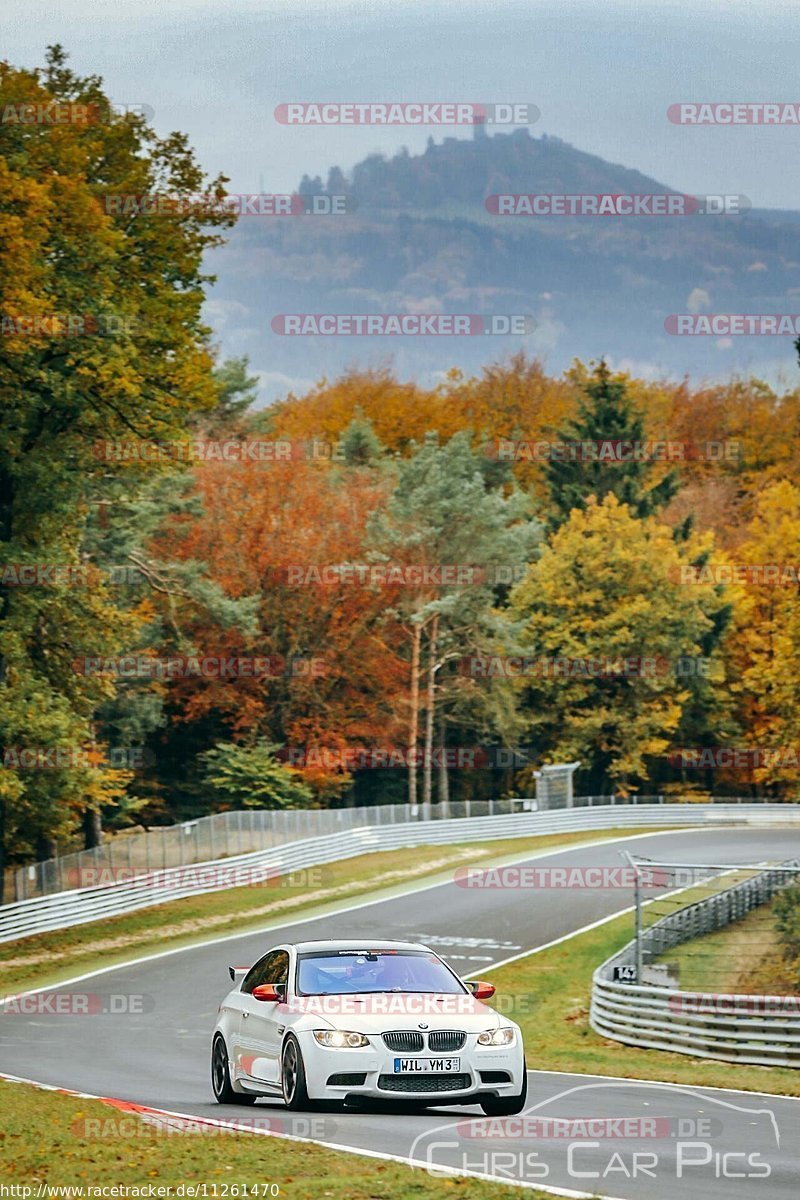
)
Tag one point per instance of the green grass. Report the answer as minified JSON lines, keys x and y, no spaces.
{"x":549,"y":996}
{"x":51,"y":957}
{"x":744,"y":958}
{"x":64,"y":1141}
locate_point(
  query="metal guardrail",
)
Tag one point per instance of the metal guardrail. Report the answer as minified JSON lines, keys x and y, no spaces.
{"x":763,"y":1030}
{"x":221,"y":835}
{"x":218,"y":835}
{"x":147,"y":888}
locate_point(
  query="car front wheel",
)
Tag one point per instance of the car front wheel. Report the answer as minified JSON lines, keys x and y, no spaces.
{"x":221,"y":1078}
{"x":293,"y":1076}
{"x":507,"y":1106}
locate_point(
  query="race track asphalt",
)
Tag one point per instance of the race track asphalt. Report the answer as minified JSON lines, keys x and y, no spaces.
{"x":710,"y":1145}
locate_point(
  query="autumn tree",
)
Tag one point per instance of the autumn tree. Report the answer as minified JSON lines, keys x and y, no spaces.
{"x":605,"y":618}
{"x":765,"y":647}
{"x":102,"y":341}
{"x":335,"y":671}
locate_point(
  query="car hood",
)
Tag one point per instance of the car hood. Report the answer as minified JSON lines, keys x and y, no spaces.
{"x":378,"y":1012}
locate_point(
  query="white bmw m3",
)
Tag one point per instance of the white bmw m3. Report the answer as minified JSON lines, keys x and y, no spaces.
{"x":334,"y":1020}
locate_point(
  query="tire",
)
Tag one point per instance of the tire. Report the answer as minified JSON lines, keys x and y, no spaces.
{"x":507,"y":1106}
{"x":293,"y":1076}
{"x":221,"y":1078}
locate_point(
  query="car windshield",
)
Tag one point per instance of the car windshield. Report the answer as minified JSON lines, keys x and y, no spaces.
{"x":379,"y":971}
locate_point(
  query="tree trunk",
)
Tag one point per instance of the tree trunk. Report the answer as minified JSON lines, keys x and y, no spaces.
{"x":433,"y":645}
{"x":444,"y":778}
{"x":92,"y":829}
{"x":45,"y":847}
{"x":413,"y":732}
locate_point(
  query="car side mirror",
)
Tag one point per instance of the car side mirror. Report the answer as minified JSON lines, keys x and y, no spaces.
{"x":481,"y":990}
{"x":268,"y":992}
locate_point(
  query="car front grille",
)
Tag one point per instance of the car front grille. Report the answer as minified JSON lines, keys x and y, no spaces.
{"x":446,"y":1040}
{"x":423,"y":1083}
{"x":348,"y":1079}
{"x":404,"y":1040}
{"x":495,"y":1077}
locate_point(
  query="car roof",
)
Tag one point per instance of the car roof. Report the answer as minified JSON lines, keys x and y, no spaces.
{"x":360,"y":944}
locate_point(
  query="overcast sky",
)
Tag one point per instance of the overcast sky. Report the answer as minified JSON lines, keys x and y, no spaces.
{"x":602,"y":74}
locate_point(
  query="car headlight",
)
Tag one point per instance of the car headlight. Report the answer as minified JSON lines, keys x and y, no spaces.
{"x":340,"y":1039}
{"x":496,"y":1037}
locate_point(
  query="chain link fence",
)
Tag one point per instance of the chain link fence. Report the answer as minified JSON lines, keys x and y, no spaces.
{"x":224,"y":834}
{"x":221,"y":835}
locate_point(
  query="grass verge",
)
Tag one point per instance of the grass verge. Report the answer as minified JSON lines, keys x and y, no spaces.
{"x":745,"y":958}
{"x":48,"y":958}
{"x":548,"y":995}
{"x":49,"y":1138}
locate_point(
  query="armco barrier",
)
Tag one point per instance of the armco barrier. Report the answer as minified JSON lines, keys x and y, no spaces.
{"x":219,"y":835}
{"x":76,"y":907}
{"x":763,"y":1030}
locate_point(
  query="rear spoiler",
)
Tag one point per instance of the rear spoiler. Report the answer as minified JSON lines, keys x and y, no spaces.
{"x":237,"y":973}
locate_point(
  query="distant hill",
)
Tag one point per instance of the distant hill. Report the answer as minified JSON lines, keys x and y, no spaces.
{"x":421,"y":240}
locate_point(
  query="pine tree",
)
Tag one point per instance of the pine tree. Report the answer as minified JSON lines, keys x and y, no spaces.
{"x":605,"y":418}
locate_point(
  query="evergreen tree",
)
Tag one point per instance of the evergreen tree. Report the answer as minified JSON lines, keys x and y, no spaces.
{"x":238,"y":391}
{"x":443,"y":512}
{"x":605,"y":418}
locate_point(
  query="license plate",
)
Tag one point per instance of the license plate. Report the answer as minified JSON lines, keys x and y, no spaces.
{"x":426,"y":1066}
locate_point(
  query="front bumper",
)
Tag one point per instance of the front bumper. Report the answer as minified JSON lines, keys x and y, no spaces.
{"x":369,"y":1072}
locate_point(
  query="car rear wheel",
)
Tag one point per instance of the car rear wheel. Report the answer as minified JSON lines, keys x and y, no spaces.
{"x":221,"y":1078}
{"x":507,"y":1106}
{"x":293,"y":1076}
